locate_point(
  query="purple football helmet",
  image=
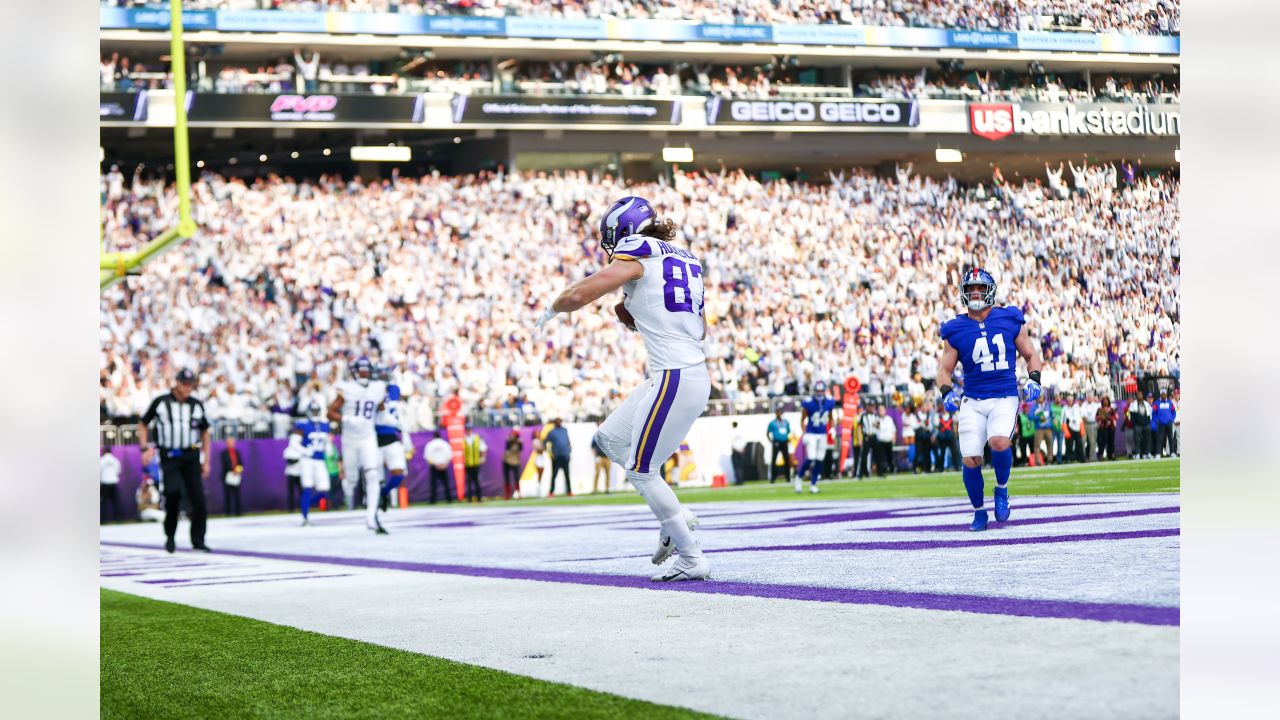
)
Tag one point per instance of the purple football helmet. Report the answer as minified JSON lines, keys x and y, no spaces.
{"x":362,"y":368}
{"x":627,"y":216}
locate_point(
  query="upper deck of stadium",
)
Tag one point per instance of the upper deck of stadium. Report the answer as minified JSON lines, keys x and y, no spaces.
{"x":1081,"y":30}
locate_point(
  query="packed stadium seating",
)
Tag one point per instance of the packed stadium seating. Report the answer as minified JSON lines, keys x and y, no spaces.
{"x":1134,"y":17}
{"x":119,"y":73}
{"x":442,"y":277}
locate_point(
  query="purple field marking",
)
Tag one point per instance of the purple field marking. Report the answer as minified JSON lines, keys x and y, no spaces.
{"x":771,"y":511}
{"x":437,"y":524}
{"x":923,"y":544}
{"x":891,"y":514}
{"x":262,"y":580}
{"x":143,"y":568}
{"x":162,"y":581}
{"x":958,"y":527}
{"x":947,"y":544}
{"x":1022,"y":607}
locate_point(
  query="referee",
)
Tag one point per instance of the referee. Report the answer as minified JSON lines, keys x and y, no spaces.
{"x":182,"y":438}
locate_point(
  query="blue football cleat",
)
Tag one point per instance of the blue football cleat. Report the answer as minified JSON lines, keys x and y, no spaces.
{"x":1002,"y":503}
{"x":979,"y":521}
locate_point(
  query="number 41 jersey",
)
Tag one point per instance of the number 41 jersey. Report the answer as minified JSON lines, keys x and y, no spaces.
{"x":666,"y":301}
{"x":360,"y":407}
{"x":987,"y":353}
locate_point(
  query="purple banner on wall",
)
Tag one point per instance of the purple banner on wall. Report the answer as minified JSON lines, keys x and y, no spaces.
{"x":263,"y":486}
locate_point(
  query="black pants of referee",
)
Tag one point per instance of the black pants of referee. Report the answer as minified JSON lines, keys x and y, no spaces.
{"x":440,"y":478}
{"x":474,"y":493}
{"x":560,"y":464}
{"x":780,"y":447}
{"x":110,"y":495}
{"x":182,"y":480}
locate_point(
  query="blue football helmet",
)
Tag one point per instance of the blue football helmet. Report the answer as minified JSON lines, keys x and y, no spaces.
{"x":627,"y":216}
{"x":819,"y":388}
{"x":314,"y":410}
{"x":975,"y":280}
{"x":362,"y":369}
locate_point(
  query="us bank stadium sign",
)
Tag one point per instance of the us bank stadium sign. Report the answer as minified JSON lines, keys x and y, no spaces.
{"x":525,"y":110}
{"x":995,"y":121}
{"x":827,"y":113}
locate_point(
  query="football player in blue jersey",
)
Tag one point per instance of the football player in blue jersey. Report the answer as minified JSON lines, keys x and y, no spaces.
{"x":313,"y":435}
{"x":816,"y":413}
{"x":395,"y":456}
{"x":983,"y":341}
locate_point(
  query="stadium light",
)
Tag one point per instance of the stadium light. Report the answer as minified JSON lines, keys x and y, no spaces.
{"x":199,"y":163}
{"x":326,"y":152}
{"x":948,"y":155}
{"x":294,"y":154}
{"x":381,"y":153}
{"x":262,"y":158}
{"x":677,"y":154}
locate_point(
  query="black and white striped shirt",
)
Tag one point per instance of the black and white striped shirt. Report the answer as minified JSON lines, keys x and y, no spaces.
{"x":177,"y":424}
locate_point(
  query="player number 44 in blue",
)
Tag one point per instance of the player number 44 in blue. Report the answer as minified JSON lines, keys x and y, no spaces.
{"x":982,"y":354}
{"x":676,"y":294}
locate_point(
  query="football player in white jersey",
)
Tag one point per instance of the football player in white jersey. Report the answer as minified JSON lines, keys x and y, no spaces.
{"x":357,"y":405}
{"x":663,"y":301}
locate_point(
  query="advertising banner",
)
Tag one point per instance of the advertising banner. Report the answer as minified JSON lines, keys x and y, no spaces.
{"x":837,"y":113}
{"x":122,"y":106}
{"x":982,"y":39}
{"x":599,"y":29}
{"x":521,"y":109}
{"x":370,"y":109}
{"x":590,"y":28}
{"x":995,"y":121}
{"x":736,"y":33}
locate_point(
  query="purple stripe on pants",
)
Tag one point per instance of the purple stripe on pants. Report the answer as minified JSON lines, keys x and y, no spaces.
{"x":665,"y":401}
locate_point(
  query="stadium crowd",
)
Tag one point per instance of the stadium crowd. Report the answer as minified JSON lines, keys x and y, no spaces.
{"x":308,"y":72}
{"x":441,"y":277}
{"x":1135,"y":17}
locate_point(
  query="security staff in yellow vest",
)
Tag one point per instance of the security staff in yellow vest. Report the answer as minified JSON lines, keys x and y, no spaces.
{"x":474,"y":450}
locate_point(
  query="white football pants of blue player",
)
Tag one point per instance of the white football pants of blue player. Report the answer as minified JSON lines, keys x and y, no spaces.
{"x":361,"y":458}
{"x":815,"y":450}
{"x":315,"y":475}
{"x":981,"y":420}
{"x":646,"y":430}
{"x":393,"y":457}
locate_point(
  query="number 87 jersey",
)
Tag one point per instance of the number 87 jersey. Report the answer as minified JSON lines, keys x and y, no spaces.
{"x":988,"y":356}
{"x":666,"y":301}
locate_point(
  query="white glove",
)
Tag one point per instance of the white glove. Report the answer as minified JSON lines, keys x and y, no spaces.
{"x":544,"y":317}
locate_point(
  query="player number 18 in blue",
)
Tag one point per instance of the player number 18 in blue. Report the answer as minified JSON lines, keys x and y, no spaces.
{"x":676,"y":294}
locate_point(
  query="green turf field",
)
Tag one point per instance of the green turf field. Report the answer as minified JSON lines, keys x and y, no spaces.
{"x":1143,"y":476}
{"x":161,"y":660}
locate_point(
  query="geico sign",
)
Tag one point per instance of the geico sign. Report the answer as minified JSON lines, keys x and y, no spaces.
{"x":997,"y":120}
{"x":785,"y":111}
